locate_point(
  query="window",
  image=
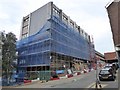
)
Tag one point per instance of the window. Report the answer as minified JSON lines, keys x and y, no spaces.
{"x":25,"y":19}
{"x":82,"y":31}
{"x":72,"y":23}
{"x":76,"y":27}
{"x":24,"y":35}
{"x":85,"y":35}
{"x":56,"y":11}
{"x":65,"y":18}
{"x":25,"y":29}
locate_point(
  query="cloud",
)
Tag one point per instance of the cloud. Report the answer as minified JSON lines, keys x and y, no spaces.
{"x":4,"y":16}
{"x":11,"y":16}
{"x":99,"y":27}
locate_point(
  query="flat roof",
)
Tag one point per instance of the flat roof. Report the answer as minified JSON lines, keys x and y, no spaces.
{"x":110,"y":2}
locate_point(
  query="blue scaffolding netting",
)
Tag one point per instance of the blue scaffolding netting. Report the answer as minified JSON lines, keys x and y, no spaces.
{"x":54,"y":36}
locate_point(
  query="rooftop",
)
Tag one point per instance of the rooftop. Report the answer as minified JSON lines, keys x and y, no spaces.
{"x":110,"y":2}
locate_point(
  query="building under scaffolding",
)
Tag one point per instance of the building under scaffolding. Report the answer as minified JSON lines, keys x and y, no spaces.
{"x":50,"y":40}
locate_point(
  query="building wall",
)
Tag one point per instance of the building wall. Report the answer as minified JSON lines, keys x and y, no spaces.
{"x":119,"y":24}
{"x":25,"y":27}
{"x":33,"y":22}
{"x":113,"y":10}
{"x":38,"y":18}
{"x":110,"y":55}
{"x":114,"y":16}
{"x":99,"y":56}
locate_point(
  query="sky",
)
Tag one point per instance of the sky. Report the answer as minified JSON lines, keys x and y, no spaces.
{"x":90,"y":15}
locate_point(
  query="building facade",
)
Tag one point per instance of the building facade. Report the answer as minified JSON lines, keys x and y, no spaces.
{"x":113,"y":9}
{"x":99,"y":56}
{"x":50,"y":40}
{"x":110,"y":57}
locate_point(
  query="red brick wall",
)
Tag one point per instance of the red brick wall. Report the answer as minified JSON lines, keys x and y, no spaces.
{"x":114,"y":16}
{"x":110,"y":55}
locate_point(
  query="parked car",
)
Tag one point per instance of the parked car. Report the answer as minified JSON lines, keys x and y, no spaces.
{"x":106,"y":74}
{"x":108,"y":66}
{"x":111,"y":66}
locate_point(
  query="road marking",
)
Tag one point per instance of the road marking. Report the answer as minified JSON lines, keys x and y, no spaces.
{"x":93,"y":85}
{"x":103,"y":85}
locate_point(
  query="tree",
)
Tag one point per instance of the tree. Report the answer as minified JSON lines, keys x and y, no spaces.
{"x":0,"y":53}
{"x":8,"y":54}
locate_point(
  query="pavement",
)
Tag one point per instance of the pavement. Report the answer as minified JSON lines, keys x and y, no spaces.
{"x":51,"y":81}
{"x":54,"y":83}
{"x":84,"y":80}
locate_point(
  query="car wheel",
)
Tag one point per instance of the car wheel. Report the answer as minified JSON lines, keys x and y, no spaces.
{"x":113,"y":79}
{"x":100,"y":79}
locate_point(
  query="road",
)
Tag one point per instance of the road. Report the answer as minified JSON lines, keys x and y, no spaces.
{"x":111,"y":84}
{"x":80,"y":82}
{"x":86,"y":80}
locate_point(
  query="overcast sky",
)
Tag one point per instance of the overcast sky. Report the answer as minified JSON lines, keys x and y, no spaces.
{"x":91,"y":15}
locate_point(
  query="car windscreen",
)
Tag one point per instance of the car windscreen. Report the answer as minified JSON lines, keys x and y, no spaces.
{"x":104,"y":72}
{"x":107,"y":67}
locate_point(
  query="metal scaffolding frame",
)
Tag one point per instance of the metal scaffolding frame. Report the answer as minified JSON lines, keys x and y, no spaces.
{"x":55,"y":44}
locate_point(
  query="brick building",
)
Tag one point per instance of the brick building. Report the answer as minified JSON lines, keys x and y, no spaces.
{"x":110,"y":57}
{"x":113,"y":9}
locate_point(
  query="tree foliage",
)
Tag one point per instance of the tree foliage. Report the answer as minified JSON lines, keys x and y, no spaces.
{"x":8,"y":53}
